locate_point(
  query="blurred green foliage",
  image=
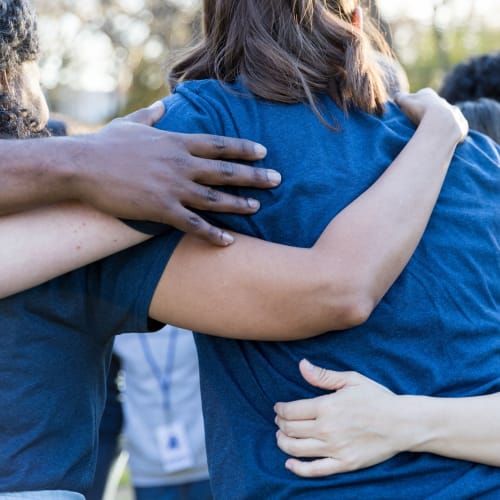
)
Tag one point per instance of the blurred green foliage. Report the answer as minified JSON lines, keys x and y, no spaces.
{"x":434,"y":57}
{"x":138,"y":38}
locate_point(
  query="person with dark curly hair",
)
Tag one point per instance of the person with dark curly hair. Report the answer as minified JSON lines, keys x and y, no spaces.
{"x":101,"y":169}
{"x":470,"y":80}
{"x":23,"y":108}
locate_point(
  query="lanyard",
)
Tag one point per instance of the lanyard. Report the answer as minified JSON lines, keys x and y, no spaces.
{"x":164,"y":378}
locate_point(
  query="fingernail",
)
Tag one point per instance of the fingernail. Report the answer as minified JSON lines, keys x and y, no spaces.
{"x":227,"y":238}
{"x":260,"y":150}
{"x":274,"y":177}
{"x":253,"y":203}
{"x":308,"y":366}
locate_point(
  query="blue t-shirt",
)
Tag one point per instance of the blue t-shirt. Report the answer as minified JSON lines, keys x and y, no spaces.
{"x":436,"y":332}
{"x":55,"y":347}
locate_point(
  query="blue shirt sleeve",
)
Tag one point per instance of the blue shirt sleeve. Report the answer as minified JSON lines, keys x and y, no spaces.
{"x":146,"y":227}
{"x":194,"y":108}
{"x":117,"y":291}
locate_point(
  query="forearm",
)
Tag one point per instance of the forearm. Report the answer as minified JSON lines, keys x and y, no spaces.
{"x":362,"y":424}
{"x":260,"y":291}
{"x":41,"y":244}
{"x":36,"y":172}
{"x":461,"y":428}
{"x":377,"y":234}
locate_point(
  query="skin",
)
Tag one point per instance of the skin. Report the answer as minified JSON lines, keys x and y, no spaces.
{"x":341,"y":277}
{"x":128,"y":169}
{"x":27,"y":90}
{"x":363,"y":423}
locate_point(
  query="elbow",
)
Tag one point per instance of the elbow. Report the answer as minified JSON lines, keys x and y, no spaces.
{"x":352,"y":310}
{"x":359,"y":309}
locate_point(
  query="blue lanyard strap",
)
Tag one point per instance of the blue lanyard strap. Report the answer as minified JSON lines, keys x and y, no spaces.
{"x":164,"y":378}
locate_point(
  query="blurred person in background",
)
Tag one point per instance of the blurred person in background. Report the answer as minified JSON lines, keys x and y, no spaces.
{"x":162,"y":390}
{"x":474,"y":86}
{"x":472,"y":79}
{"x":483,"y":115}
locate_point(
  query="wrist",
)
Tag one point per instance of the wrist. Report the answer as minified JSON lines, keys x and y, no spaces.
{"x":446,"y":123}
{"x":421,"y":423}
{"x":74,"y":166}
{"x":46,"y":163}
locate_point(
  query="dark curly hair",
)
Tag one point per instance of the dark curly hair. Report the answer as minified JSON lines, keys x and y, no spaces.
{"x":18,"y":34}
{"x":18,"y":44}
{"x":478,"y":77}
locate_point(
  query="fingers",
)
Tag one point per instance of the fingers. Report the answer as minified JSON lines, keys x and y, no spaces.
{"x":147,"y":116}
{"x":191,"y":223}
{"x":415,"y":106}
{"x":300,"y":448}
{"x":296,"y":428}
{"x":213,"y":146}
{"x":207,"y":198}
{"x":222,"y":173}
{"x":315,"y":468}
{"x":305,"y":409}
{"x":327,"y":379}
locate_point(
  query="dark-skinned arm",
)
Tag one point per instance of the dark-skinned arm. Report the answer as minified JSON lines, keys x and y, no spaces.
{"x":130,"y":170}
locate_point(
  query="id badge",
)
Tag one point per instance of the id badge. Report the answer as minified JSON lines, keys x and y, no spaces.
{"x":175,"y":452}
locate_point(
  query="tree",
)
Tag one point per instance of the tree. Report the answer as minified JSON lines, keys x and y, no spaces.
{"x":128,"y":41}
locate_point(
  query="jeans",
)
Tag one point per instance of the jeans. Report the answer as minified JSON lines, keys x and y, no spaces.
{"x":42,"y":495}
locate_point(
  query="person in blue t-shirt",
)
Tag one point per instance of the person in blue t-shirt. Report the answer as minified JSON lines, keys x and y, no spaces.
{"x":57,"y":336}
{"x":368,"y":423}
{"x":436,"y":332}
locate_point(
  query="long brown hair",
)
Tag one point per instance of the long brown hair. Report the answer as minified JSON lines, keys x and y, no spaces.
{"x":289,"y":51}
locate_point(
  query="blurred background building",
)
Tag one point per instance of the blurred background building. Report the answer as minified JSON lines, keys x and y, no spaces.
{"x":102,"y":58}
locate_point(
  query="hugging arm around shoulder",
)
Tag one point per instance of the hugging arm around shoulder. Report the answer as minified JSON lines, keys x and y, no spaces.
{"x":334,"y":284}
{"x":267,"y":291}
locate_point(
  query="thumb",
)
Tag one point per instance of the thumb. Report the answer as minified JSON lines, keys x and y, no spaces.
{"x":148,"y":116}
{"x":323,"y":378}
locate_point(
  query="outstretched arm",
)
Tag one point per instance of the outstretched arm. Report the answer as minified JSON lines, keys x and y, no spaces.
{"x":362,"y":424}
{"x":303,"y":292}
{"x":131,"y":170}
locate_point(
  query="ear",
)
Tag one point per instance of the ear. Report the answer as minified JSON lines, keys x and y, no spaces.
{"x":357,"y":18}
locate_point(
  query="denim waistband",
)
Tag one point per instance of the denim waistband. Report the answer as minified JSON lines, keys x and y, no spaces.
{"x":42,"y":495}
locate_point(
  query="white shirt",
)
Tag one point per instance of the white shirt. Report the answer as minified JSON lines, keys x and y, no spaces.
{"x":143,"y":403}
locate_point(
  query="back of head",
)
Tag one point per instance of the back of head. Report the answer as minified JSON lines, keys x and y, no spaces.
{"x":483,"y":115}
{"x":18,"y":34}
{"x":478,"y":77}
{"x":290,"y":50}
{"x":18,"y":45}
